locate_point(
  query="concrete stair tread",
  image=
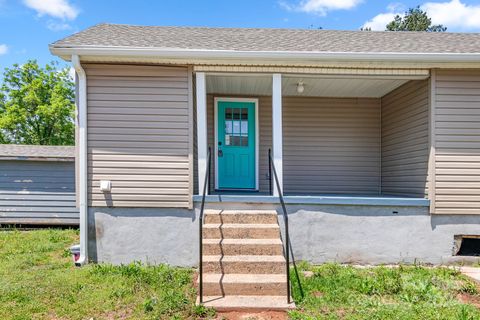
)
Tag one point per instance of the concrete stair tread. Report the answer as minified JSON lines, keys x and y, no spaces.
{"x":241,"y":217}
{"x":247,"y":302}
{"x":240,"y":226}
{"x":242,"y":241}
{"x":240,"y":231}
{"x":226,"y":212}
{"x":244,"y":258}
{"x":243,"y":262}
{"x":242,"y":246}
{"x":244,"y":278}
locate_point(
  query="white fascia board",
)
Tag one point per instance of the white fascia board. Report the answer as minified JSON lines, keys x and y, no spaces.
{"x":173,"y":53}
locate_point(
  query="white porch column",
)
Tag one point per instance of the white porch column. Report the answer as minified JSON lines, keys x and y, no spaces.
{"x":202,"y":148}
{"x":277,"y":135}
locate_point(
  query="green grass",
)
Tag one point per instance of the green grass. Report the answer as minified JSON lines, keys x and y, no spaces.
{"x":38,"y":281}
{"x":405,"y":292}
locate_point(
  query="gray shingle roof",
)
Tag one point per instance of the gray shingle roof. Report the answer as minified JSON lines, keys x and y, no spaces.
{"x":299,"y":40}
{"x":31,"y":152}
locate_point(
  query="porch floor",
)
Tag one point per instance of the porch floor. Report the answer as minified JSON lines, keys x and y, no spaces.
{"x":380,"y":200}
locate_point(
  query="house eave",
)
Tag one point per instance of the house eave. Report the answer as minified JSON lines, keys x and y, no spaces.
{"x":196,"y":56}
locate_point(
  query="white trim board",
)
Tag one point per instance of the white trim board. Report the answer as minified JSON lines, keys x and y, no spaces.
{"x":314,"y":72}
{"x":277,"y":131}
{"x":215,"y":133}
{"x":202,"y":143}
{"x":317,"y":200}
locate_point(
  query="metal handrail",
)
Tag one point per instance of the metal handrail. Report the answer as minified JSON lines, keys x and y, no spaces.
{"x":288,"y":244}
{"x":200,"y":225}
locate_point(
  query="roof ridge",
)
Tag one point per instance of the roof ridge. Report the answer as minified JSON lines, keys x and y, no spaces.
{"x":273,"y":28}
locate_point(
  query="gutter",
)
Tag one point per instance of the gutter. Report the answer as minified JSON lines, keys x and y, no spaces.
{"x":178,"y":53}
{"x":82,"y":134}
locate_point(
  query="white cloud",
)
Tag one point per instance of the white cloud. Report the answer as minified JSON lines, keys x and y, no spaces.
{"x":56,"y":26}
{"x":396,"y":7}
{"x":3,"y":49}
{"x":61,"y":9}
{"x":321,"y":7}
{"x":379,"y":22}
{"x":454,"y":14}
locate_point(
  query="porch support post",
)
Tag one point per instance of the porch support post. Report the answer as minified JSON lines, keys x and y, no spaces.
{"x":202,"y":148}
{"x":277,"y":134}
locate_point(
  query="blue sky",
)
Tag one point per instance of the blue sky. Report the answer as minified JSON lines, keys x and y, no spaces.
{"x":28,"y":26}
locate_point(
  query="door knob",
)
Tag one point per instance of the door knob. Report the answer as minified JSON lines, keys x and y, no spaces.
{"x":220,"y":153}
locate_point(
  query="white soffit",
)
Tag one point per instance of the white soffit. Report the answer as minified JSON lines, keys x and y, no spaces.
{"x":341,"y":87}
{"x":261,"y":85}
{"x":240,"y":85}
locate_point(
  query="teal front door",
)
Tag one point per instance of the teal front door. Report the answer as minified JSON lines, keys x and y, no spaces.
{"x":236,"y":145}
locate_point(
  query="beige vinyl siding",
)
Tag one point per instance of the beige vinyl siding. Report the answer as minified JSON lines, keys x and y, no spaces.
{"x":265,"y":137}
{"x":139,"y":135}
{"x":331,"y":145}
{"x":405,"y":148}
{"x":457,"y":141}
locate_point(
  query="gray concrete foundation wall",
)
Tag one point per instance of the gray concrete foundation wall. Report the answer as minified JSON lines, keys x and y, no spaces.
{"x":319,"y":233}
{"x":149,"y":235}
{"x":376,"y":235}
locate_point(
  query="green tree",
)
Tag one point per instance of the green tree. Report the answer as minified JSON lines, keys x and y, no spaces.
{"x":37,"y":105}
{"x":415,"y":19}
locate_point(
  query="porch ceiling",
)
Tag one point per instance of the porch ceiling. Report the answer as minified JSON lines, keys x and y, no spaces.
{"x":315,"y":86}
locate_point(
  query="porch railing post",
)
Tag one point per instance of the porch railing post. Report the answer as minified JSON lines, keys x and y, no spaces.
{"x":201,"y":95}
{"x":277,"y":129}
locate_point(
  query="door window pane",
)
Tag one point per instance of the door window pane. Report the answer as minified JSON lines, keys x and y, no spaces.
{"x":236,"y":127}
{"x":244,"y":128}
{"x":235,"y":141}
{"x":236,"y":113}
{"x":228,"y":114}
{"x":228,"y":127}
{"x":244,"y":141}
{"x":244,"y":114}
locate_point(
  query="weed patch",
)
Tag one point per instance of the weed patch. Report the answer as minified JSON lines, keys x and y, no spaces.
{"x":405,"y":292}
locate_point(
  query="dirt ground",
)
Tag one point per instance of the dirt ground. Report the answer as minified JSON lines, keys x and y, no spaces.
{"x":468,"y":298}
{"x":243,"y":315}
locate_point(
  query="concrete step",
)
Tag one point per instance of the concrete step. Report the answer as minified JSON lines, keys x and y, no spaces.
{"x":244,"y":284}
{"x":241,"y":216}
{"x":229,"y":247}
{"x":235,"y":303}
{"x":240,"y":231}
{"x":246,"y":264}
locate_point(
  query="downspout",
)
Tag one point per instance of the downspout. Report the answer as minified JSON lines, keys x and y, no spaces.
{"x":82,"y":137}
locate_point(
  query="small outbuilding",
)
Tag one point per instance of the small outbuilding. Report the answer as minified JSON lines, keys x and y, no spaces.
{"x":37,"y":185}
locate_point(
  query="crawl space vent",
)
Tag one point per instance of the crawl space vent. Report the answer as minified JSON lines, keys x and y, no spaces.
{"x":467,"y":246}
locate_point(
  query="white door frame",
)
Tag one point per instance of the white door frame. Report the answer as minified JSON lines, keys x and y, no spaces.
{"x":215,"y":112}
